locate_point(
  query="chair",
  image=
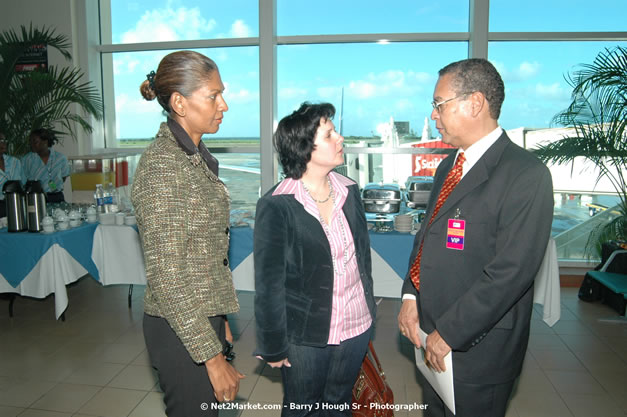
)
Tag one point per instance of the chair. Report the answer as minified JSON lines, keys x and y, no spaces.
{"x":613,"y":287}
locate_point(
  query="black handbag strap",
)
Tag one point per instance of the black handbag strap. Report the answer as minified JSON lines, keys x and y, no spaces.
{"x":376,"y":358}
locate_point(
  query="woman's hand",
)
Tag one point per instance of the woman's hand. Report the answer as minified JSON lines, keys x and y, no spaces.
{"x":224,"y":378}
{"x":279,"y":364}
{"x":228,"y":334}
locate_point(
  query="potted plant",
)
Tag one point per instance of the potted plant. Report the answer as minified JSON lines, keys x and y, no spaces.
{"x":598,"y":116}
{"x":40,"y":98}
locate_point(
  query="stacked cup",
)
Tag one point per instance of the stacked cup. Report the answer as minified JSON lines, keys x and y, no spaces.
{"x":403,"y":223}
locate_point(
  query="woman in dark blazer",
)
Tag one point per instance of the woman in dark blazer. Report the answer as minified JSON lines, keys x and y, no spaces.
{"x":314,"y":305}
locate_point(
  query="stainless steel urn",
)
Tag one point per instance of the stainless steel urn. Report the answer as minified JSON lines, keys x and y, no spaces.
{"x":15,"y":201}
{"x":35,"y":205}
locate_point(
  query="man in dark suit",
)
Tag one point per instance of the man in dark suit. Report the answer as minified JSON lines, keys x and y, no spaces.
{"x":475,"y":259}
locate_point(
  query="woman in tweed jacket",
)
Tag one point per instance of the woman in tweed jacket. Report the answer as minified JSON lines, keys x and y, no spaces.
{"x":182,"y":211}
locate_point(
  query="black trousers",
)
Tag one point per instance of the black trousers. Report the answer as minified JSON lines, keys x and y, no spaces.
{"x":471,"y":400}
{"x":185,"y":384}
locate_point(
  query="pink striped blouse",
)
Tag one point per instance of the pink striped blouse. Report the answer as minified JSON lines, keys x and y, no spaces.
{"x":350,"y":316}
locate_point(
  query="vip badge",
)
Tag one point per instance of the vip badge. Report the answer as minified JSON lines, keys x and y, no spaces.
{"x":455,"y":234}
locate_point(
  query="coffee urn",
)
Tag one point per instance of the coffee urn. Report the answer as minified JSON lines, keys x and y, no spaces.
{"x":15,"y":201}
{"x":35,"y":205}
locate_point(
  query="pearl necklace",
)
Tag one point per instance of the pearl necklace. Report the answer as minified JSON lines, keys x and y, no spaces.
{"x":312,"y":197}
{"x":328,"y":232}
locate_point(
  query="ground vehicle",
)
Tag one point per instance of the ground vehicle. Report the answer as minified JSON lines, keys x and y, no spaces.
{"x":595,"y":208}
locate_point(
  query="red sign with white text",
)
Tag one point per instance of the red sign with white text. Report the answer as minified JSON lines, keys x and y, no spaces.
{"x":426,"y":164}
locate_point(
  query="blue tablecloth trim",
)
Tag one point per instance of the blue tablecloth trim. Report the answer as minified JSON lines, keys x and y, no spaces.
{"x":395,"y":248}
{"x":241,"y":245}
{"x":26,"y":249}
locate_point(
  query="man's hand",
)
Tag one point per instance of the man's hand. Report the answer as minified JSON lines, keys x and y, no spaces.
{"x":408,"y":321}
{"x":224,"y":378}
{"x":435,"y":351}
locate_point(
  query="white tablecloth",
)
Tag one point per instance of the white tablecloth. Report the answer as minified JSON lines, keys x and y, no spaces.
{"x":547,"y":286}
{"x":54,"y":270}
{"x":118,"y":255}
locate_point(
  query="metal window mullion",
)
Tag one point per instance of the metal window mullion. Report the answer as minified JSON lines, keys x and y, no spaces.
{"x":479,"y":27}
{"x":267,"y":92}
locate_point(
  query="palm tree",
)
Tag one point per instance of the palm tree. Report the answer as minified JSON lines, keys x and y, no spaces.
{"x":598,"y":114}
{"x":40,"y":99}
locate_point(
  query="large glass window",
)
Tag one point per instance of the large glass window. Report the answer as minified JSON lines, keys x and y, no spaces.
{"x":137,"y":120}
{"x":535,"y":78}
{"x":382,"y":90}
{"x":141,"y":21}
{"x":557,"y":15}
{"x":382,"y":95}
{"x":327,"y":17}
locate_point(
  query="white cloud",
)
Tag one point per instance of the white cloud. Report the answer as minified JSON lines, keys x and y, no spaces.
{"x":131,"y":63}
{"x":124,"y":105}
{"x":551,"y":92}
{"x":161,"y":25}
{"x":239,"y":29}
{"x":391,"y":83}
{"x":525,"y":71}
{"x":362,"y":89}
{"x":240,"y":97}
{"x":329,"y":93}
{"x":404,"y":104}
{"x":292,"y":92}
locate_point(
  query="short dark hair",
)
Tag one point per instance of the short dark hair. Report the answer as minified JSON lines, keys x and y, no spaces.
{"x":295,"y":134}
{"x":476,"y":74}
{"x":181,"y":71}
{"x":46,"y":135}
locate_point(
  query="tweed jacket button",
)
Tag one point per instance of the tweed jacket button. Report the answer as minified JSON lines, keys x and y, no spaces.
{"x":225,"y":262}
{"x":227,"y":231}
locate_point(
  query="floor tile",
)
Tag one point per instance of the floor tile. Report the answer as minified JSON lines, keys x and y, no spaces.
{"x":574,"y":382}
{"x":43,"y":413}
{"x":67,"y":398}
{"x":584,"y":405}
{"x":577,"y":367}
{"x":540,"y":404}
{"x":588,"y":343}
{"x":557,"y":360}
{"x":267,"y":390}
{"x":533,"y":381}
{"x":541,"y":341}
{"x":95,"y":373}
{"x":135,"y":377}
{"x":151,"y":406}
{"x":6,"y":411}
{"x":122,"y":353}
{"x":113,"y":402}
{"x":17,"y":392}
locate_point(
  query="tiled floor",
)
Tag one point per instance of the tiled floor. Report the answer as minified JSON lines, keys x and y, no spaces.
{"x":95,"y":363}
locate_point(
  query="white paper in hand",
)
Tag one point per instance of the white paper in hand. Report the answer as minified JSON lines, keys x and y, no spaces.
{"x":442,"y":382}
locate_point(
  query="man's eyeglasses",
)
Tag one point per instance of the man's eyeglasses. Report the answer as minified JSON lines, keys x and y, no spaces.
{"x":436,"y":105}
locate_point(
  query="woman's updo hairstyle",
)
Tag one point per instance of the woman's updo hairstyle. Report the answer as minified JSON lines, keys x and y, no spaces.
{"x":182,"y":71}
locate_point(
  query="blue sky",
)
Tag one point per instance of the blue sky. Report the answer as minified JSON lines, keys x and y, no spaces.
{"x":379,"y":81}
